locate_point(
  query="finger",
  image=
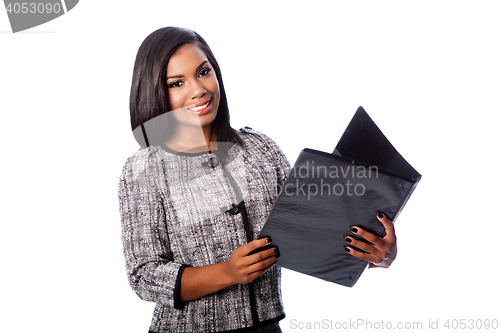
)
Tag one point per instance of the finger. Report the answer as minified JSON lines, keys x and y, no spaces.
{"x":254,"y":246}
{"x":257,"y":269}
{"x":363,"y":256}
{"x":373,"y":239}
{"x":390,"y":234}
{"x":267,"y":253}
{"x":256,"y":274}
{"x":373,"y":253}
{"x":261,"y":266}
{"x":258,"y":254}
{"x":388,"y":225}
{"x":369,"y":248}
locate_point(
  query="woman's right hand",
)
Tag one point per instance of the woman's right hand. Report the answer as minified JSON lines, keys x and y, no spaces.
{"x":249,"y":261}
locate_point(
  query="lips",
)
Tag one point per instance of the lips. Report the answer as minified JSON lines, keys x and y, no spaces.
{"x":201,"y":108}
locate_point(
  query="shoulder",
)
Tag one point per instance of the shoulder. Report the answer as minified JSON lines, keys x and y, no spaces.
{"x":139,"y":162}
{"x":256,"y":138}
{"x":262,"y":145}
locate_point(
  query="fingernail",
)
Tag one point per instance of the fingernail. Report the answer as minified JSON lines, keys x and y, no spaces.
{"x":379,"y":214}
{"x":354,"y":229}
{"x":269,"y":239}
{"x":348,"y":240}
{"x":276,"y":252}
{"x":347,"y":249}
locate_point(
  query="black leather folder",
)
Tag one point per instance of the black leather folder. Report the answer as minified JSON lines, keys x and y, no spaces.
{"x":326,"y":193}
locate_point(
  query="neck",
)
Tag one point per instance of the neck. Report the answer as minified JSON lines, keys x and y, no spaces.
{"x":192,"y":139}
{"x":209,"y":136}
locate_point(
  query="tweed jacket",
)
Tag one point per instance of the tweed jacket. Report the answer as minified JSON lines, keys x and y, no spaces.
{"x":179,"y":210}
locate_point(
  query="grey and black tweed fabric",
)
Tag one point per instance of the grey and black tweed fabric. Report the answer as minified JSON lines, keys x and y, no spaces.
{"x":174,"y":213}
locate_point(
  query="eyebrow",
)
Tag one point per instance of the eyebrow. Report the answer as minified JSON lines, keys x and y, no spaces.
{"x":197,"y":70}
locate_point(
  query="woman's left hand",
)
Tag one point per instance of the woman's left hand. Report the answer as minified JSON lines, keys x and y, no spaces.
{"x":381,"y":251}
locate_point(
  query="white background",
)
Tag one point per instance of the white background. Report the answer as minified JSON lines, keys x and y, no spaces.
{"x":428,"y":73}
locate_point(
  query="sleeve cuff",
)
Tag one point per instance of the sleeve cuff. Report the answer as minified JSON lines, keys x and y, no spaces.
{"x":178,"y":304}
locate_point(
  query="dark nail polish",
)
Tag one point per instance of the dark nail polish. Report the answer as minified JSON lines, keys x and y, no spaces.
{"x":347,"y":249}
{"x":379,"y":214}
{"x":348,"y":240}
{"x":354,"y":229}
{"x":276,"y":252}
{"x":269,"y":239}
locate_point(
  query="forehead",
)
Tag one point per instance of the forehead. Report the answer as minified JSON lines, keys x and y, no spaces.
{"x":187,"y":58}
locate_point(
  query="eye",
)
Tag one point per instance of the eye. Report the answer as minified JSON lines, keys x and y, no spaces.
{"x":204,"y":71}
{"x":175,"y":84}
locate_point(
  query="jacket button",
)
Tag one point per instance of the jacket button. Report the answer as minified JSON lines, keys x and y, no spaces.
{"x":234,"y":209}
{"x":213,"y":162}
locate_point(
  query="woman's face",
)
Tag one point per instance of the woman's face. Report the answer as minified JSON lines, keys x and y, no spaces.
{"x":193,"y":89}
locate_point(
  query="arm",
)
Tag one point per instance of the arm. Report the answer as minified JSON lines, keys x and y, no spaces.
{"x":381,"y":251}
{"x":241,"y":268}
{"x":151,"y":270}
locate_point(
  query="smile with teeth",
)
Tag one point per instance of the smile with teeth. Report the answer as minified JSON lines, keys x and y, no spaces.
{"x":198,"y":108}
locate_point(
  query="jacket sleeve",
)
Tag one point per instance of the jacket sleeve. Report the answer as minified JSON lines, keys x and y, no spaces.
{"x":152,"y":272}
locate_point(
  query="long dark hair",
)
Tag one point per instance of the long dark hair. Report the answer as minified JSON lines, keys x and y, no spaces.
{"x":149,"y":95}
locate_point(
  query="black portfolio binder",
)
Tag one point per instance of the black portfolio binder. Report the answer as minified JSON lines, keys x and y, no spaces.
{"x":325,"y":194}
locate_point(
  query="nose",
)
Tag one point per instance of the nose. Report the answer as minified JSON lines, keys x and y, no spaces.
{"x":197,"y":89}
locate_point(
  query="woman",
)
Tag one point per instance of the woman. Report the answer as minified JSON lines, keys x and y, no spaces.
{"x":195,"y":196}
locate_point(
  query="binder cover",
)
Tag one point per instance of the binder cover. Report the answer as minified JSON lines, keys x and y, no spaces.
{"x":325,"y":194}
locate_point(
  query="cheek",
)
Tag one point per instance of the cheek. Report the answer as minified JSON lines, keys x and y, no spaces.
{"x":176,"y":99}
{"x":214,"y":86}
